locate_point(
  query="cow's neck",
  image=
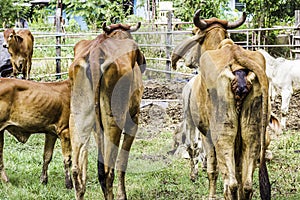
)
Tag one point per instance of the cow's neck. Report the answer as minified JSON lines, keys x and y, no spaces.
{"x":14,"y":47}
{"x":213,"y":37}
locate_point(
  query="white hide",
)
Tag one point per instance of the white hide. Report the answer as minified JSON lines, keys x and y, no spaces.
{"x":284,"y":77}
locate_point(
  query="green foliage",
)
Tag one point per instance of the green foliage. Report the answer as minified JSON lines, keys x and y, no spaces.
{"x":185,"y":9}
{"x":274,"y":12}
{"x":95,"y":13}
{"x":10,"y":11}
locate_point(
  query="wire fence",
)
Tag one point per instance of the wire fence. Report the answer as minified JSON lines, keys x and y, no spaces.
{"x":157,"y":44}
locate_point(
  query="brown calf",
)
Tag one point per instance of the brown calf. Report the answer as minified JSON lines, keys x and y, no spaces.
{"x":20,"y":47}
{"x":28,"y":107}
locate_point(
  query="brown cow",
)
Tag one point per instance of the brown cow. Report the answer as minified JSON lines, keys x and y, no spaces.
{"x":229,"y":104}
{"x":20,"y":47}
{"x":29,"y":107}
{"x":106,"y":85}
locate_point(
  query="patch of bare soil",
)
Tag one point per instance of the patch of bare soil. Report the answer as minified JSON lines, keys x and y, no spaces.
{"x":293,"y":116}
{"x":162,"y":107}
{"x":157,"y":116}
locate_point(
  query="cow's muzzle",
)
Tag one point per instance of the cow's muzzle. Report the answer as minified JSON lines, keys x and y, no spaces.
{"x":5,"y":45}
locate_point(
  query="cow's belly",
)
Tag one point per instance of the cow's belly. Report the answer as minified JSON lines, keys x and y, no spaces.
{"x":23,"y":131}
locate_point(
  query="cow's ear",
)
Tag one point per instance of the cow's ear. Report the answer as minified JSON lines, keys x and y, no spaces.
{"x":141,"y":61}
{"x":18,"y":38}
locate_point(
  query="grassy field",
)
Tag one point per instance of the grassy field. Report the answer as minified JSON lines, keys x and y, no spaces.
{"x":152,"y":173}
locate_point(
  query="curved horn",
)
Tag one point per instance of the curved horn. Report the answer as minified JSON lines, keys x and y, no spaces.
{"x":239,"y":22}
{"x":135,"y":28}
{"x":198,"y":22}
{"x":105,"y":28}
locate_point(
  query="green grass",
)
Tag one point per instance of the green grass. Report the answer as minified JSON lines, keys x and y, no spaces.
{"x":152,"y":173}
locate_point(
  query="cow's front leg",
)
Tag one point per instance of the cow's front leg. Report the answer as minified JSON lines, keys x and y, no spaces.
{"x":15,"y":70}
{"x":286,"y":94}
{"x":66,"y":151}
{"x":24,"y":69}
{"x":193,"y":150}
{"x":50,"y":140}
{"x":2,"y":170}
{"x":28,"y":68}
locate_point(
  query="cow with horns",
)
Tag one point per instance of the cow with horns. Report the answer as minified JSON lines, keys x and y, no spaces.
{"x":106,"y":85}
{"x":229,"y":104}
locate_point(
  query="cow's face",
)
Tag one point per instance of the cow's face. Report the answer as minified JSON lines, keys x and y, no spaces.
{"x":10,"y":36}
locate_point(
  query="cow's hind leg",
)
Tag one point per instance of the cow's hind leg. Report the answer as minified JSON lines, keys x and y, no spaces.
{"x":225,"y":153}
{"x":122,"y":165}
{"x":112,"y":136}
{"x":2,"y":170}
{"x":66,"y":151}
{"x":79,"y":145}
{"x":250,"y":152}
{"x":50,"y":140}
{"x":212,"y":171}
{"x":129,"y":135}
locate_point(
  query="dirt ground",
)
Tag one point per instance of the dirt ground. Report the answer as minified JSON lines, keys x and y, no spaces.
{"x":157,"y":116}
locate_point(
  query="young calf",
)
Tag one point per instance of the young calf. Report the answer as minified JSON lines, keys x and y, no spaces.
{"x":28,"y":107}
{"x":20,"y":46}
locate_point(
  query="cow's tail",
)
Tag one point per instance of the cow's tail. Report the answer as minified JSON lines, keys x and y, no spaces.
{"x":97,"y":76}
{"x":245,"y":60}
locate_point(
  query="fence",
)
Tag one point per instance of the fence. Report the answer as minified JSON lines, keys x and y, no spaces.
{"x":157,"y":43}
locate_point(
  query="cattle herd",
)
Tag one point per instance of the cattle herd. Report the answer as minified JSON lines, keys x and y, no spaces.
{"x":226,"y":106}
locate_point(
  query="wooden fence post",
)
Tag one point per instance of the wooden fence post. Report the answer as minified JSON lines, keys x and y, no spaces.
{"x":297,"y":37}
{"x":168,"y":44}
{"x":58,"y":19}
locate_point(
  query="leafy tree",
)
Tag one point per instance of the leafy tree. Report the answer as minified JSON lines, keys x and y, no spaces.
{"x":185,"y":9}
{"x":10,"y":11}
{"x":275,"y":12}
{"x":95,"y":12}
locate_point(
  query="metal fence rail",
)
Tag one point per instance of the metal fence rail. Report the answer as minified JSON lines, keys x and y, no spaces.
{"x":158,"y":45}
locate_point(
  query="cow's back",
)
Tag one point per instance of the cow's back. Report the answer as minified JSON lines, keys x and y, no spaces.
{"x":28,"y":40}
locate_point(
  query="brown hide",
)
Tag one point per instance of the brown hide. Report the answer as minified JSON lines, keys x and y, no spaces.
{"x":232,"y":128}
{"x":206,"y":37}
{"x":28,"y":107}
{"x":20,"y":47}
{"x":225,"y":128}
{"x":109,"y":70}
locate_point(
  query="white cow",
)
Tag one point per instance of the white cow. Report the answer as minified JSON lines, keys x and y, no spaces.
{"x":284,"y":76}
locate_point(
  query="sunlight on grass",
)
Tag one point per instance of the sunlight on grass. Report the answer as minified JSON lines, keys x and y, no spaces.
{"x":152,"y":173}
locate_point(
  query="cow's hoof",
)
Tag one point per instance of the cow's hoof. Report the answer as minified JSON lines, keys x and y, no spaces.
{"x":268,"y":155}
{"x":121,"y":197}
{"x":4,"y":177}
{"x":69,"y":184}
{"x":193,"y":177}
{"x":44,"y":180}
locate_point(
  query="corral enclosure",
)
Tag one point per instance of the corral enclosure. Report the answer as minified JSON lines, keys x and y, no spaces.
{"x":152,"y":172}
